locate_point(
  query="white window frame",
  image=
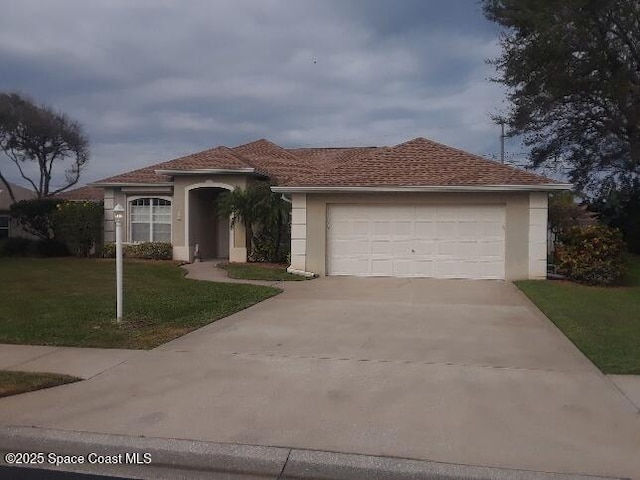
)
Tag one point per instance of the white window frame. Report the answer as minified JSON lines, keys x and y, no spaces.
{"x":8,"y":227}
{"x":131,"y":199}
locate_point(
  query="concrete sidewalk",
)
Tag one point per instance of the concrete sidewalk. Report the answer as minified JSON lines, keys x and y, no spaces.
{"x":186,"y":459}
{"x":78,"y":362}
{"x":208,"y":271}
{"x":629,"y":385}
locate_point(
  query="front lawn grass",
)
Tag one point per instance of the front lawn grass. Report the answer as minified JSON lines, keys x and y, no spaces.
{"x":71,"y":302}
{"x":13,"y":383}
{"x":603,"y":322}
{"x":260,"y":271}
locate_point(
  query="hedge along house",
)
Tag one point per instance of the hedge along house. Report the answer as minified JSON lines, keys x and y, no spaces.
{"x":418,"y":209}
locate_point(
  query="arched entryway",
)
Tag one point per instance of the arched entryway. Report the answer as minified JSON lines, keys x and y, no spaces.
{"x":205,"y":228}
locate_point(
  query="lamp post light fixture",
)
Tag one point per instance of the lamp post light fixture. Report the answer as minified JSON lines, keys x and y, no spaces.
{"x":118,"y":216}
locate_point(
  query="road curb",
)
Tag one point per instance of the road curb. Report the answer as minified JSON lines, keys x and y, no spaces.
{"x":190,"y":459}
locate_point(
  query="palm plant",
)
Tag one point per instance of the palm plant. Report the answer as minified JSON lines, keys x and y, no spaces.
{"x":264,"y":215}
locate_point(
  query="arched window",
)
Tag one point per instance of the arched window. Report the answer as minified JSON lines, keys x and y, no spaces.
{"x":150,"y":220}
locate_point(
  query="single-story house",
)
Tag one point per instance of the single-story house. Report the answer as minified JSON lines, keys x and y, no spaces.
{"x":417,"y":209}
{"x":8,"y":226}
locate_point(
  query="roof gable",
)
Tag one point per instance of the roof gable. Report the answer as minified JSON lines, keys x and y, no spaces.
{"x":219,"y":157}
{"x":214,"y":158}
{"x":280,"y":164}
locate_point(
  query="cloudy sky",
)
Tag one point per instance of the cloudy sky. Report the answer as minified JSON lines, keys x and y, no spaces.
{"x":153,"y":79}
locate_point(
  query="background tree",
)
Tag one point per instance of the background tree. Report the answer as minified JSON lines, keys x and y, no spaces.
{"x":565,"y":213}
{"x":572,"y":69}
{"x":619,"y":207}
{"x":37,"y":133}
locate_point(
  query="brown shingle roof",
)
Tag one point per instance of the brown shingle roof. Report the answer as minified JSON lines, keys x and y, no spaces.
{"x":92,"y":194}
{"x":418,"y":162}
{"x":328,"y":157}
{"x":280,"y":164}
{"x":220,"y":157}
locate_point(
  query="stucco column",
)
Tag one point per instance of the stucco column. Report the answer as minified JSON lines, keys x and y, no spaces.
{"x":109,"y":223}
{"x":299,"y":231}
{"x":238,"y":243}
{"x":538,"y":211}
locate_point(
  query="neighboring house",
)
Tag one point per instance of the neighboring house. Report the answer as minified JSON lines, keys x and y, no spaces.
{"x":8,"y":227}
{"x":418,"y":209}
{"x":82,"y":194}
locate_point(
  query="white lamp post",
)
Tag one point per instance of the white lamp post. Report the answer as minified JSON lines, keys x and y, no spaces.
{"x":118,"y":216}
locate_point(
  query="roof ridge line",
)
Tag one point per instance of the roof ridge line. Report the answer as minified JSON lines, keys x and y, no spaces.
{"x":242,"y":158}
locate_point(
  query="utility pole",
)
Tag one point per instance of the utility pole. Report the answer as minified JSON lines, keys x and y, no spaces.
{"x":502,"y":141}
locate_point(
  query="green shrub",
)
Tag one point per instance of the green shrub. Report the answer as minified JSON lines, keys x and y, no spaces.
{"x":150,"y":250}
{"x":109,"y":250}
{"x":14,"y":247}
{"x":145,"y":250}
{"x":79,"y":225}
{"x":47,"y":248}
{"x":36,"y":216}
{"x":594,"y":255}
{"x":29,"y":247}
{"x":57,"y":222}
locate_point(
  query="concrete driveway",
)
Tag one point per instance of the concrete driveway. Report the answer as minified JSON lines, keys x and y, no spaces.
{"x":464,"y":372}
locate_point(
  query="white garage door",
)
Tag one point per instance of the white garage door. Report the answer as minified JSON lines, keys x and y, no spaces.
{"x":439,"y":241}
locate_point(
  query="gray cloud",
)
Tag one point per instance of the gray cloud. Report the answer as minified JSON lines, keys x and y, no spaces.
{"x":154,"y":79}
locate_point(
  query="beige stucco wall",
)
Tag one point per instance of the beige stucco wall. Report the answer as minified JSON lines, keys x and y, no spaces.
{"x":179,"y":195}
{"x":182,"y":244}
{"x":525,"y":235}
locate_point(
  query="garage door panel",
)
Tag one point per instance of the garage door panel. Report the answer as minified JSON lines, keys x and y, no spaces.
{"x":446,"y":230}
{"x":468,"y":229}
{"x":381,"y":228}
{"x":424,"y":247}
{"x":401,"y":248}
{"x":425,"y":229}
{"x":421,"y":268}
{"x":402,"y":267}
{"x":446,"y":268}
{"x":397,"y":213}
{"x":402,"y":229}
{"x":470,"y":250}
{"x":493,"y":229}
{"x":383,"y":247}
{"x":382,"y":267}
{"x":341,"y":248}
{"x":424,"y":213}
{"x":490,"y":270}
{"x":360,"y":227}
{"x":490,"y":249}
{"x":442,"y":241}
{"x":360,"y":247}
{"x":341,"y":229}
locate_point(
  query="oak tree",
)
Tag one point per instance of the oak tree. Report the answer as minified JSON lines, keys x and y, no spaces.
{"x":572,"y":69}
{"x":36,"y":133}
